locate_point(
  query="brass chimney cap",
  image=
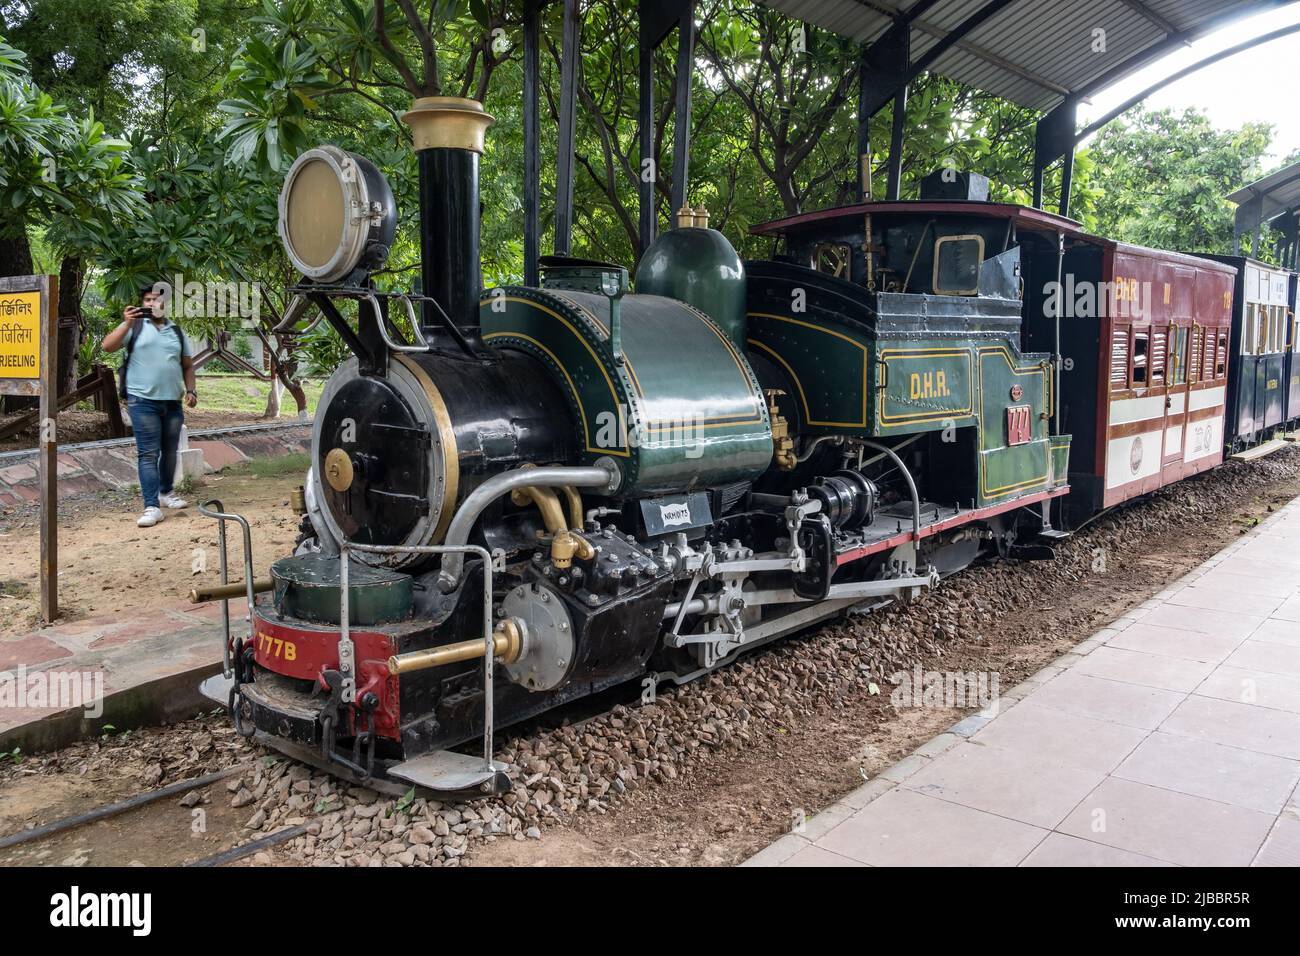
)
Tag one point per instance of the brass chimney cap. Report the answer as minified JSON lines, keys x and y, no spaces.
{"x":448,"y":122}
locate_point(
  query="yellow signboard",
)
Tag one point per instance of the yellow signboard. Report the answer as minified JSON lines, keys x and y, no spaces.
{"x":20,"y":335}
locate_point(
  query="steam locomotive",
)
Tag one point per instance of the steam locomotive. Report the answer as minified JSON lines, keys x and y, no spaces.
{"x":525,"y":496}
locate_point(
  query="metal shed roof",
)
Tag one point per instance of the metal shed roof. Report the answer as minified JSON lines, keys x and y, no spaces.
{"x":1273,"y":195}
{"x":1032,"y":52}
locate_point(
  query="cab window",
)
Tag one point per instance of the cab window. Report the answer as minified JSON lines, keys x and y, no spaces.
{"x":957,"y":261}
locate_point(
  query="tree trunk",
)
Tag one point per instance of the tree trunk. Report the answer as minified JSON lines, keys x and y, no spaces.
{"x":15,"y":251}
{"x":276,"y":390}
{"x":287,"y":371}
{"x":15,"y":260}
{"x":71,"y":274}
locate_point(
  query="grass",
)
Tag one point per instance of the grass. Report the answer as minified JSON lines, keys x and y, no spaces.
{"x":15,"y":589}
{"x":246,"y":396}
{"x":294,"y":464}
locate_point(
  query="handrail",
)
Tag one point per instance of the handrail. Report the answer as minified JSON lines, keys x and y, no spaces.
{"x":489,"y":656}
{"x":383,"y":325}
{"x":911,"y":487}
{"x":213,"y":508}
{"x":354,"y":292}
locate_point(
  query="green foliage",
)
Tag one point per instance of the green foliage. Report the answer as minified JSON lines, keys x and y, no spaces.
{"x":1164,"y":175}
{"x":100,"y":56}
{"x":65,"y":173}
{"x":274,"y":89}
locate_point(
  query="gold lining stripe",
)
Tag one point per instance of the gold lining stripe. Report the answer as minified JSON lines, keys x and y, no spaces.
{"x":579,"y":307}
{"x":746,"y":374}
{"x":1047,"y":442}
{"x":586,"y":425}
{"x":746,"y":378}
{"x":447,"y":441}
{"x":803,"y":396}
{"x":661,"y":423}
{"x":922,"y":417}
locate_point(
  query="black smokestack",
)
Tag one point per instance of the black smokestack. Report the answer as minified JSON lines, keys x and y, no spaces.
{"x":448,"y":134}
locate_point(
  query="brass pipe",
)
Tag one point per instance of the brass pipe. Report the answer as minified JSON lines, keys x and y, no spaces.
{"x":507,"y":644}
{"x":575,"y":506}
{"x":548,"y":503}
{"x":215,"y":592}
{"x":565,"y":545}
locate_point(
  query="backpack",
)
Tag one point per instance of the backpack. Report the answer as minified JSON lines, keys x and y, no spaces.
{"x":130,"y":347}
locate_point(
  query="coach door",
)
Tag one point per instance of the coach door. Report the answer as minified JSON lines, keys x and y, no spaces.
{"x":1275,"y":359}
{"x":1170,"y":350}
{"x":1291,"y":373}
{"x":1176,"y":382}
{"x":1250,"y":390}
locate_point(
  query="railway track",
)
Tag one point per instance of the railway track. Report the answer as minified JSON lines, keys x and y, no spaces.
{"x":24,"y":845}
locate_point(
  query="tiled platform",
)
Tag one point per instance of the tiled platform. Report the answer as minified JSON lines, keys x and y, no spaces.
{"x":145,"y":669}
{"x":1171,"y":737}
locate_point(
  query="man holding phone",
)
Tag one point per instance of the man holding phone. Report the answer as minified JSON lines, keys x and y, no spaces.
{"x":156,"y":373}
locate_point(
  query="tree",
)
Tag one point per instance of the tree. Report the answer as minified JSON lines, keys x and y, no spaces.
{"x":794,"y":84}
{"x":212,"y":223}
{"x":98,"y":57}
{"x":65,"y":176}
{"x":382,"y":53}
{"x":1165,"y":174}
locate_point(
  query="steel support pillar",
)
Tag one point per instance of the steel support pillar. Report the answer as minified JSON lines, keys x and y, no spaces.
{"x":1055,"y":138}
{"x":658,"y":18}
{"x":569,"y":54}
{"x":532,"y":163}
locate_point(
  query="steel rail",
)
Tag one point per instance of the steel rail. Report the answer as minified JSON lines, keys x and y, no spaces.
{"x":114,"y":809}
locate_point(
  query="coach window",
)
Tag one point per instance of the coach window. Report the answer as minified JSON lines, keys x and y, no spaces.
{"x":1178,"y":355}
{"x":1119,"y":360}
{"x":1221,"y":356}
{"x":1196,"y":358}
{"x":1139,"y":359}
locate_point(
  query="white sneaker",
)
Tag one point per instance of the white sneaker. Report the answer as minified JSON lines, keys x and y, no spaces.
{"x":173,"y":501}
{"x":150,"y":517}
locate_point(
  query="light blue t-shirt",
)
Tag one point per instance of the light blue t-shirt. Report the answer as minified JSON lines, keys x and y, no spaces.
{"x":154,"y":370}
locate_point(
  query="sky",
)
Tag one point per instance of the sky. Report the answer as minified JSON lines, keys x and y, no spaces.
{"x":1255,"y":85}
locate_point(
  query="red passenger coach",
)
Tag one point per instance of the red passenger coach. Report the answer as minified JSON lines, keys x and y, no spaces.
{"x":1144,"y":340}
{"x":1167,"y":342}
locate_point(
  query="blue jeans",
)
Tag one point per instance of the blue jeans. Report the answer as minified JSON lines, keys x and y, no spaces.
{"x":157,"y":427}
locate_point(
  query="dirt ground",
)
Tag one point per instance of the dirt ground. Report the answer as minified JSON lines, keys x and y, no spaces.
{"x":109,"y":566}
